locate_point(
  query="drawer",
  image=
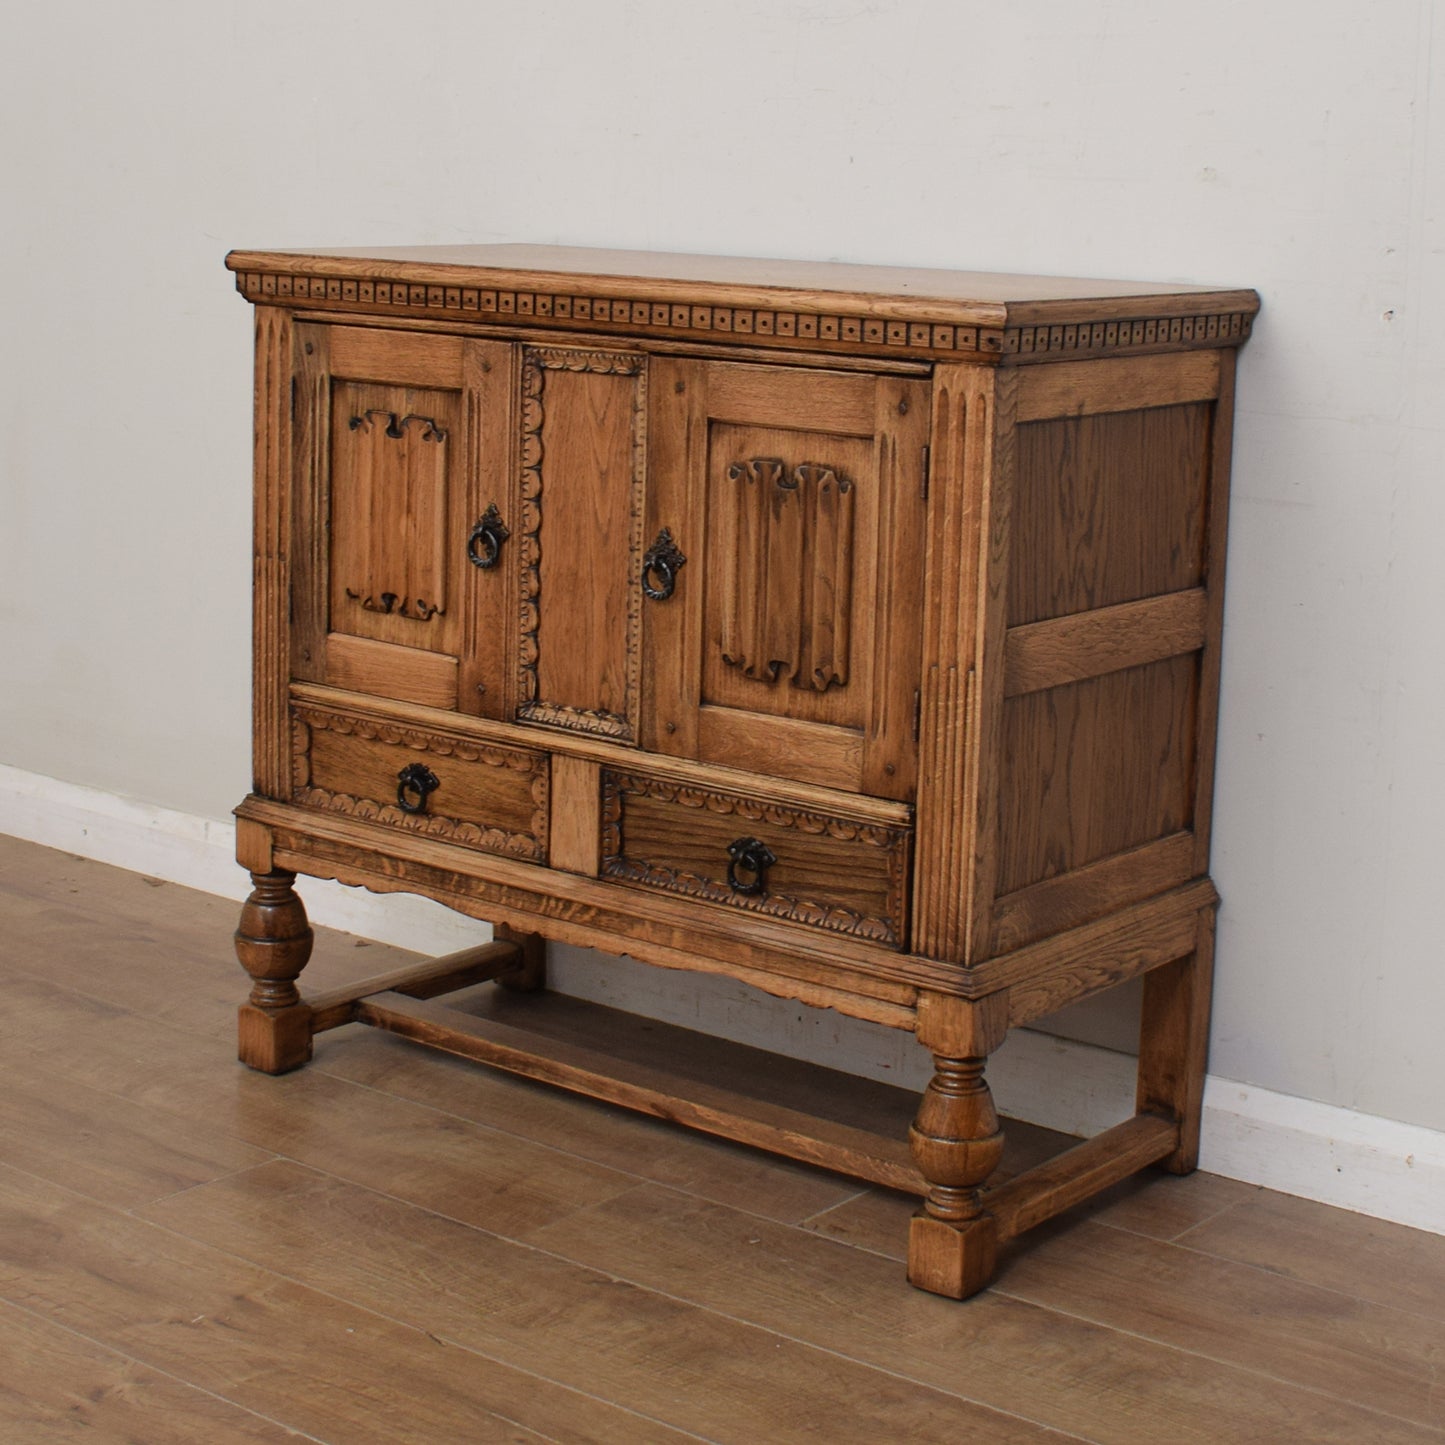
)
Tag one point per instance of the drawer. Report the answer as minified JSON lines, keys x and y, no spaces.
{"x":827,"y":870}
{"x":442,"y":785}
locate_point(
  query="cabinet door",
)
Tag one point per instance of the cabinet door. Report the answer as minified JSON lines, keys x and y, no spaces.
{"x":785,"y":523}
{"x":403,"y":498}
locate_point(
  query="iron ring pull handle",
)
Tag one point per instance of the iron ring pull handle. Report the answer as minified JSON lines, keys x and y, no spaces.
{"x":660,"y":566}
{"x":415,"y":783}
{"x":753,"y":857}
{"x":484,"y":545}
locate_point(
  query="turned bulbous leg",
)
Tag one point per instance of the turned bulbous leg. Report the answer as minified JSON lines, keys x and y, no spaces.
{"x":273,"y":942}
{"x":956,"y":1144}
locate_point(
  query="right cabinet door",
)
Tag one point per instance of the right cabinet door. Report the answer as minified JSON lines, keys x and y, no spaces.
{"x":783,"y":572}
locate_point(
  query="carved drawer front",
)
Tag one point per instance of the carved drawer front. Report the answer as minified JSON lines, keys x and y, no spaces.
{"x":451,"y":788}
{"x":823,"y":869}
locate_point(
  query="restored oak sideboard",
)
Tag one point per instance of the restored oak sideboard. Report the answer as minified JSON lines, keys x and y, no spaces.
{"x":849,"y":631}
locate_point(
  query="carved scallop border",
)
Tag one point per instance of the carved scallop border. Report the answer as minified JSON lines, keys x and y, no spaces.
{"x":617,"y":786}
{"x":798,"y":329}
{"x":536,"y":362}
{"x":529,"y":846}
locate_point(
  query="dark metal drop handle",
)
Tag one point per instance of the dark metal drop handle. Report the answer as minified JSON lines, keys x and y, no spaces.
{"x":415,"y":783}
{"x":753,"y":857}
{"x":484,"y":546}
{"x":660,"y":566}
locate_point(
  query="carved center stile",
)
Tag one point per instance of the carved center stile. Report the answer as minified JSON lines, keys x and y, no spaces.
{"x":792,"y":598}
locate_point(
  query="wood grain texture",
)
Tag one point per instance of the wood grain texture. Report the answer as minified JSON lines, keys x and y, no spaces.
{"x":966,"y":532}
{"x":1216,"y":538}
{"x":311,"y":499}
{"x":682,"y":770}
{"x":718,"y":1293}
{"x":829,"y":871}
{"x":1095,"y":767}
{"x":334,"y":1007}
{"x":1079,"y":1173}
{"x":584,"y":428}
{"x":60,"y":1385}
{"x":486,"y":681}
{"x":480,"y":796}
{"x":1026,"y":1357}
{"x":383,"y":669}
{"x":647,"y":1089}
{"x":813,"y":306}
{"x":812,"y":966}
{"x":271,"y":552}
{"x":364,"y":354}
{"x":1078,"y":388}
{"x":1108,"y":509}
{"x":633,"y":1354}
{"x":1174,"y":1042}
{"x":575,"y":829}
{"x":186,"y":1309}
{"x":1081,"y":645}
{"x":1128,"y":941}
{"x":1069,"y":899}
{"x":395,"y":472}
{"x":789,"y":646}
{"x":1384,"y":1358}
{"x":1000,"y":576}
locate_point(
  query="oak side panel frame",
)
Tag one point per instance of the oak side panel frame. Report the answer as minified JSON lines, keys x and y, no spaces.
{"x":486,"y":679}
{"x":311,"y":501}
{"x":965,"y":571}
{"x":1216,"y":536}
{"x":271,"y":553}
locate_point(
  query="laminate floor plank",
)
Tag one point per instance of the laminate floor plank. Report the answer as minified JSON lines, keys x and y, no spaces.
{"x":1025,"y":1359}
{"x":1369,"y":1259}
{"x":669,"y":1360}
{"x":58,"y":1386}
{"x":68,"y":919}
{"x":106,"y":1147}
{"x":1159,"y":1206}
{"x":393,"y":1246}
{"x":643,"y":1147}
{"x":1384,"y":1358}
{"x":284,"y":1350}
{"x":499,"y":1181}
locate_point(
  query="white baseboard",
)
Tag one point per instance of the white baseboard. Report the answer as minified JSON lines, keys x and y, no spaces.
{"x":1357,"y":1161}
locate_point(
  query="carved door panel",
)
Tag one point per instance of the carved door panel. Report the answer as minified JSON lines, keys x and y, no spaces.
{"x":583,"y":436}
{"x":785,"y":521}
{"x":400,"y":585}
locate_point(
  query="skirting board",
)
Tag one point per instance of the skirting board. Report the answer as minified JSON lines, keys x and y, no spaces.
{"x":1361,"y":1162}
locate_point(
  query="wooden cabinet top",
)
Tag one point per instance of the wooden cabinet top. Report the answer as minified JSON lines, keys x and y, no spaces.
{"x":815,"y":306}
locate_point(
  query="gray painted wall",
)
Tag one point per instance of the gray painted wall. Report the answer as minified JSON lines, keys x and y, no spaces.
{"x":1293,"y":147}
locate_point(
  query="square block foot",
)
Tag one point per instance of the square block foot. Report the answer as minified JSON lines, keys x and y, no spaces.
{"x":274,"y":1040}
{"x":956,"y":1260}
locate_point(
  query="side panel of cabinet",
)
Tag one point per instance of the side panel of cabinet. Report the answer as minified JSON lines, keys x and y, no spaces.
{"x":583,"y":433}
{"x":1111,"y":647}
{"x":402,"y":447}
{"x":790,"y":645}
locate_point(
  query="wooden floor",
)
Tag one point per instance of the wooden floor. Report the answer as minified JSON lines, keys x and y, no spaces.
{"x":393,"y":1246}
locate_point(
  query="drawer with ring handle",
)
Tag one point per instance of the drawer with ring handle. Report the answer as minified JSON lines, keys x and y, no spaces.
{"x":826,"y":869}
{"x":445,"y":785}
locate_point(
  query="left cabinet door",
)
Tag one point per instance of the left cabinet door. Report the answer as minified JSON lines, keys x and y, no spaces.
{"x":400,"y":572}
